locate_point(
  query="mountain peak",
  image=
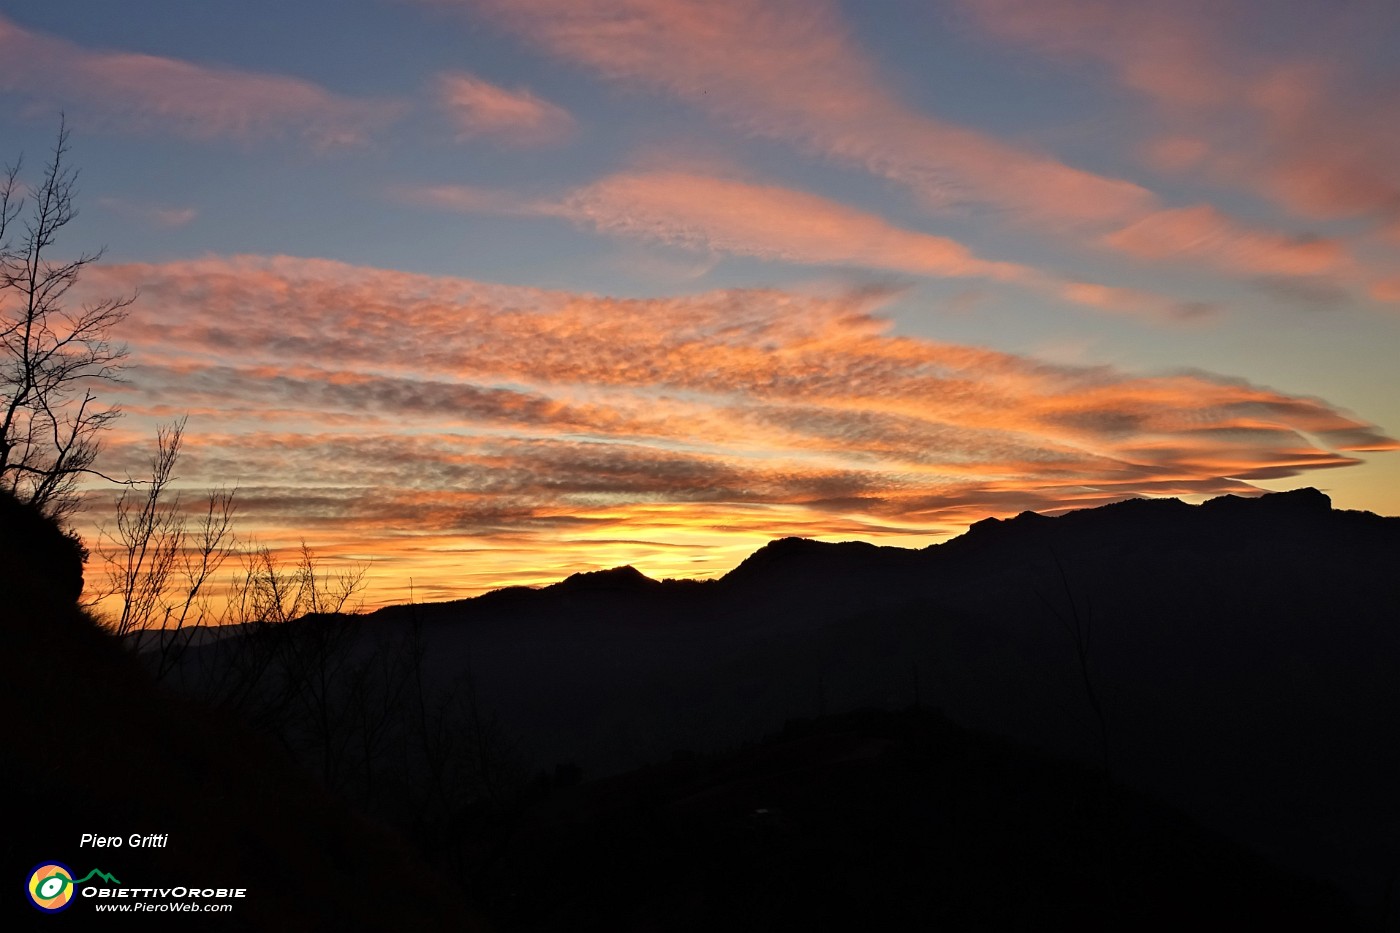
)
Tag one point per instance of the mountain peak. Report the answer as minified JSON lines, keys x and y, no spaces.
{"x":625,"y":577}
{"x":1309,"y":499}
{"x":806,"y":556}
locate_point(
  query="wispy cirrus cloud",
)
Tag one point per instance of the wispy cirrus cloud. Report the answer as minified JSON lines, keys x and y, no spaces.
{"x":737,"y":217}
{"x":432,"y":412}
{"x":1203,"y":234}
{"x":1135,"y":302}
{"x":161,"y":215}
{"x":789,"y":70}
{"x":134,"y":91}
{"x":1386,"y":289}
{"x":1298,"y":122}
{"x":481,"y":110}
{"x":467,"y":199}
{"x":1172,"y":51}
{"x":734,"y":217}
{"x":768,"y":221}
{"x":786,"y":69}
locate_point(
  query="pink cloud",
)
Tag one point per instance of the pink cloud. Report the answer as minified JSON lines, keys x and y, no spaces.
{"x":1205,"y":235}
{"x":790,"y":71}
{"x":729,"y":216}
{"x":1168,"y":50}
{"x":129,"y":90}
{"x":768,"y":221}
{"x":1387,"y":290}
{"x":479,"y":109}
{"x":1312,"y":141}
{"x":1134,"y":302}
{"x":1176,"y":153}
{"x":787,"y":70}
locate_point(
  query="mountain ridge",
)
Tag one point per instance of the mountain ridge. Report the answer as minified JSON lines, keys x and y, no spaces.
{"x":794,"y":556}
{"x":1243,"y":653}
{"x":1237,"y":659}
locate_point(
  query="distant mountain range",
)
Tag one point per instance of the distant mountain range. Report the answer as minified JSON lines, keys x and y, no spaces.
{"x":1239,"y":659}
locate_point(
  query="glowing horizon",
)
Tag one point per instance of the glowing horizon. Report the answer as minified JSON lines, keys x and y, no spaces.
{"x":489,"y":292}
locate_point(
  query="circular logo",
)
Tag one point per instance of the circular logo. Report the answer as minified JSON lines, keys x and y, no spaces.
{"x":50,"y":887}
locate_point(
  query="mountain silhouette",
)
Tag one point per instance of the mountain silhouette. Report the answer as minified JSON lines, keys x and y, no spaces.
{"x":1239,"y":659}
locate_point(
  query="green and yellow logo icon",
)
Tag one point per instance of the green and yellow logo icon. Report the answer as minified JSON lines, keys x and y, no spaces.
{"x":51,"y":886}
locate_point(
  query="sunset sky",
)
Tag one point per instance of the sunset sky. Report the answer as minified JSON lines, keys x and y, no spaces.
{"x":488,"y":292}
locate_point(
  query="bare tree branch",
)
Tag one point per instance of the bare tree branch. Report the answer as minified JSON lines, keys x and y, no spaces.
{"x":51,"y":358}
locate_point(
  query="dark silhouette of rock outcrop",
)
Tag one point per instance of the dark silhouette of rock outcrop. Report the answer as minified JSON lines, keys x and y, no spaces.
{"x":36,"y":551}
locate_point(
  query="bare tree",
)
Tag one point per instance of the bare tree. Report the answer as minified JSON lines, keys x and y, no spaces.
{"x":160,"y":566}
{"x":52,"y":358}
{"x":269,"y":591}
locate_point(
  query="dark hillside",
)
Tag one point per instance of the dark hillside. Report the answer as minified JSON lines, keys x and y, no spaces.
{"x":881,"y":821}
{"x":1244,"y":655}
{"x":92,"y":746}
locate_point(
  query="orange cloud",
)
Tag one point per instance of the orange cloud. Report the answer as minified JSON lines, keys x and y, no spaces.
{"x":786,"y":69}
{"x":1205,"y":235}
{"x":480,"y":109}
{"x":428,"y":414}
{"x":1168,"y":50}
{"x":744,"y":218}
{"x":129,"y":90}
{"x":1134,"y":302}
{"x":1386,"y":289}
{"x":1177,"y":153}
{"x":735,"y":217}
{"x":1312,"y":140}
